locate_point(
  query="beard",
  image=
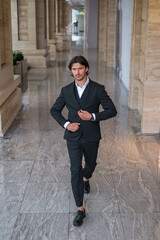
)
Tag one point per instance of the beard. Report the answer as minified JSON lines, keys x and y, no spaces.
{"x":81,"y":78}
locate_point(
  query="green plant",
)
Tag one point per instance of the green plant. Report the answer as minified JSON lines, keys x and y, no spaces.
{"x":17,"y":56}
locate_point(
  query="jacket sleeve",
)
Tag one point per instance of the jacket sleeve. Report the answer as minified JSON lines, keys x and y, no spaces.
{"x":57,"y":109}
{"x":107,"y":104}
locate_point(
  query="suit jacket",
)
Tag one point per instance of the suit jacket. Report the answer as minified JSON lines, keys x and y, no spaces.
{"x":93,"y":96}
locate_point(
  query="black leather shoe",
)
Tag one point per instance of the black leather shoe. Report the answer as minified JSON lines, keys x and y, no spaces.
{"x":86,"y":187}
{"x":78,"y":221}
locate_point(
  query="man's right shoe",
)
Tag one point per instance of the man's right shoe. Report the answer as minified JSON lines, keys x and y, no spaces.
{"x":86,"y":186}
{"x":78,"y":221}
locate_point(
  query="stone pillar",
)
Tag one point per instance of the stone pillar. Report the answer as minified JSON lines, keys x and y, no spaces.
{"x":107,"y":31}
{"x":135,"y":55}
{"x":51,"y":36}
{"x":110,"y":33}
{"x":10,"y":94}
{"x":102,"y":28}
{"x":147,"y":97}
{"x":59,"y":34}
{"x":68,"y":18}
{"x":29,"y":30}
{"x":92,"y":29}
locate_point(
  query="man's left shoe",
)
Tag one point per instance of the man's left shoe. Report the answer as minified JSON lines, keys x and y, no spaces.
{"x":86,"y":186}
{"x":78,"y":221}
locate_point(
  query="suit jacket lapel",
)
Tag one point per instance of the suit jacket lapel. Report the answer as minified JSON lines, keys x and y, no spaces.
{"x":75,"y":95}
{"x":86,"y":94}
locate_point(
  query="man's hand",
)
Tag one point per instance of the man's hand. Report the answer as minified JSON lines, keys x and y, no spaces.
{"x":73,"y":127}
{"x":84,"y":115}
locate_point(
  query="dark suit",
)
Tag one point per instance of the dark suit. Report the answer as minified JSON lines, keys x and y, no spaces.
{"x":86,"y":139}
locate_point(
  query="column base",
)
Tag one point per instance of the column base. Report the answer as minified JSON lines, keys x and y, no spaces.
{"x":36,"y":74}
{"x":37,"y":58}
{"x":9,"y":109}
{"x":150,"y":123}
{"x":59,"y":42}
{"x":52,"y":50}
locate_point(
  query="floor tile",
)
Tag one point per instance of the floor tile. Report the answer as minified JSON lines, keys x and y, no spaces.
{"x":46,"y":198}
{"x":15,"y":171}
{"x":41,"y":226}
{"x":7,"y":223}
{"x":136,"y":190}
{"x":45,"y":171}
{"x":141,"y":226}
{"x":97,"y":226}
{"x":19,"y":152}
{"x":11,"y":197}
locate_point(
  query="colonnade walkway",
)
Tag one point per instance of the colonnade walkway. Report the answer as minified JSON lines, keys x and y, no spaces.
{"x":36,"y":201}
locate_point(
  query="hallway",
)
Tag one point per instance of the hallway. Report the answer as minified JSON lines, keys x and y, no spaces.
{"x":36,"y":201}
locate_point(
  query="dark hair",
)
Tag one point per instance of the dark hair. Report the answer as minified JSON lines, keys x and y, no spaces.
{"x":79,"y":59}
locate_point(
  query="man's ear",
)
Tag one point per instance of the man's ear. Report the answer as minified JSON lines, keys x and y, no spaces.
{"x":86,"y":69}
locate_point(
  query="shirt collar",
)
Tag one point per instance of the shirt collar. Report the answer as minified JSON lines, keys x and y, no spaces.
{"x":85,"y":85}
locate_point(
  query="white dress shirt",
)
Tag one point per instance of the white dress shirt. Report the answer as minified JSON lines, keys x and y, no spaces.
{"x":80,"y":91}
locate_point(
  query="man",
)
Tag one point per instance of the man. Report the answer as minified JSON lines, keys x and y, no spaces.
{"x":82,"y":131}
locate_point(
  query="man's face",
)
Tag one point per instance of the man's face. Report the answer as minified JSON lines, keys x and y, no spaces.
{"x":79,"y":71}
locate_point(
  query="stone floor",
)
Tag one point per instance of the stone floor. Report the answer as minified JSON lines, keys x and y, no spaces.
{"x":36,"y":202}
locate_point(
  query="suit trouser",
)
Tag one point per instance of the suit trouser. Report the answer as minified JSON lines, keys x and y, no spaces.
{"x":76,"y":151}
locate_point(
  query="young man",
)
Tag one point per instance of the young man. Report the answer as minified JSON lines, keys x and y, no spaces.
{"x":82,"y":131}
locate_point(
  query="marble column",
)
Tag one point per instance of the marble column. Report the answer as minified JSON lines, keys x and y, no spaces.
{"x":110,"y":33}
{"x":91,"y":30}
{"x":59,"y":33}
{"x":29,"y":31}
{"x":51,"y":35}
{"x":10,"y":94}
{"x":135,"y":55}
{"x":107,"y":31}
{"x":102,"y":28}
{"x":68,"y":19}
{"x":144,"y":92}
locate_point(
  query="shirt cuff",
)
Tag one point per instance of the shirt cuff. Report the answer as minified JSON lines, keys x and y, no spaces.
{"x":66,"y":124}
{"x":94,"y":116}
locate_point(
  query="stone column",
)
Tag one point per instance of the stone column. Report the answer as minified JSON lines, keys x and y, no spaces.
{"x":102,"y":28}
{"x":68,"y":18}
{"x":107,"y":31}
{"x":59,"y":34}
{"x":51,"y":36}
{"x":10,"y":94}
{"x":29,"y":30}
{"x":151,"y":98}
{"x":110,"y":33}
{"x":135,"y":54}
{"x":91,"y":29}
{"x":147,"y":97}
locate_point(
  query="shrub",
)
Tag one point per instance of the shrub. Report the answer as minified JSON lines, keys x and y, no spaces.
{"x":17,"y":56}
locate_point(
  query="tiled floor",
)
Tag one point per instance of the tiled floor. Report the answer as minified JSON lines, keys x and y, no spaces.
{"x":36,"y":202}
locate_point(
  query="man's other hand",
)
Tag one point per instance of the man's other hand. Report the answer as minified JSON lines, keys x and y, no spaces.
{"x":84,"y":115}
{"x":73,"y":127}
